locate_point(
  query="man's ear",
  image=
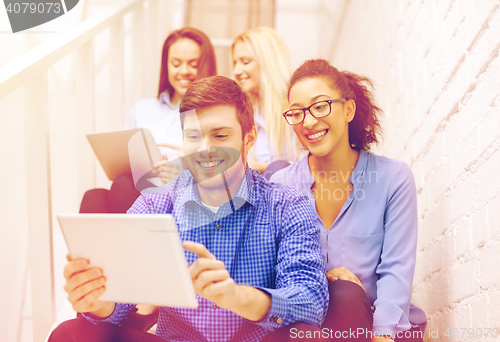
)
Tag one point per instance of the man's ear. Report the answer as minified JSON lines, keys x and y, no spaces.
{"x":249,"y":139}
{"x":350,"y":110}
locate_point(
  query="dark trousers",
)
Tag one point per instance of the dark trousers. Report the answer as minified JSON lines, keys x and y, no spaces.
{"x":350,"y":311}
{"x":81,"y":330}
{"x":117,"y":200}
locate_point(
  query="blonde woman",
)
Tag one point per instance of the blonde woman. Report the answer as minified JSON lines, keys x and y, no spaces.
{"x":261,"y":66}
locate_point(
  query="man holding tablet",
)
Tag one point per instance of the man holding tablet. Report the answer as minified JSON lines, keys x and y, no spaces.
{"x":253,"y":250}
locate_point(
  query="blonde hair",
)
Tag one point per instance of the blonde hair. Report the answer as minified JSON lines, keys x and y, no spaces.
{"x":271,"y":53}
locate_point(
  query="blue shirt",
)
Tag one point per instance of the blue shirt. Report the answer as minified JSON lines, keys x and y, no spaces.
{"x":267,"y":237}
{"x":374,"y":235}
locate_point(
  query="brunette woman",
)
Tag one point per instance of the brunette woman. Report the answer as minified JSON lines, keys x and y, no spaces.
{"x":187,"y":56}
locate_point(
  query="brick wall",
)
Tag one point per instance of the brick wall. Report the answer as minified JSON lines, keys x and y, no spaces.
{"x":436,"y":67}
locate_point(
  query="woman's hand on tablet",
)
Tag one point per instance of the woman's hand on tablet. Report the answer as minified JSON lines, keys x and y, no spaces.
{"x":179,"y":149}
{"x":84,"y":286}
{"x":166,"y":170}
{"x":342,"y":273}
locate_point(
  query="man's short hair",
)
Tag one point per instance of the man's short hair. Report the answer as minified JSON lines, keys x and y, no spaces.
{"x":218,"y":91}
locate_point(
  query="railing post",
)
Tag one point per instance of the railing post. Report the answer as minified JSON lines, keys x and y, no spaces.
{"x":85,"y":107}
{"x":39,"y":204}
{"x":116,"y":78}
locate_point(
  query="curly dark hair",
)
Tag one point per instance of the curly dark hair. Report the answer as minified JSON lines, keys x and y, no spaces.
{"x":364,"y":129}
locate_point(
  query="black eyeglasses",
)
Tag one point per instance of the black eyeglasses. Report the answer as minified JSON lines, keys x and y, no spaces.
{"x":318,"y":110}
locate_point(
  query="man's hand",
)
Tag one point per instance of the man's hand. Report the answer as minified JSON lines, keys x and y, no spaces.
{"x":84,"y":286}
{"x":212,"y":281}
{"x":342,"y":273}
{"x":210,"y":278}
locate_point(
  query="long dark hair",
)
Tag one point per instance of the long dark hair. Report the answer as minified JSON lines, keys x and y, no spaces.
{"x":364,"y":129}
{"x":206,"y":63}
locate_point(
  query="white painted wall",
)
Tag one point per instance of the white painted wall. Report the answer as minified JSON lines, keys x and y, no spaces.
{"x":309,"y":28}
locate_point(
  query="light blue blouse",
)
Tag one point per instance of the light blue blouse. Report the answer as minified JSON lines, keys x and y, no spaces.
{"x":374,"y":235}
{"x":162,"y":118}
{"x":261,"y":150}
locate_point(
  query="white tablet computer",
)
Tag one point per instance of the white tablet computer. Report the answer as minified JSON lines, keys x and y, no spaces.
{"x":141,"y":256}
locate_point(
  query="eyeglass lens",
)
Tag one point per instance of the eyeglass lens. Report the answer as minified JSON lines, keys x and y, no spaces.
{"x":318,"y":110}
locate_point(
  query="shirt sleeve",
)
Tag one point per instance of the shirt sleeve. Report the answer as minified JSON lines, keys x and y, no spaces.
{"x":397,"y":265}
{"x":119,"y":313}
{"x":301,"y":293}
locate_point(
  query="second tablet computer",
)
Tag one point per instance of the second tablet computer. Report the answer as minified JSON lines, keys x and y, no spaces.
{"x":141,"y":256}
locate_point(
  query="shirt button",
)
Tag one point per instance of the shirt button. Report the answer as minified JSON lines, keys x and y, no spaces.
{"x":214,"y":306}
{"x":271,"y":318}
{"x":279,"y":320}
{"x":218,"y":226}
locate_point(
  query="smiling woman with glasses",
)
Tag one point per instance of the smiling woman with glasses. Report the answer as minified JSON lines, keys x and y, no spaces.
{"x":318,"y":110}
{"x":366,"y":205}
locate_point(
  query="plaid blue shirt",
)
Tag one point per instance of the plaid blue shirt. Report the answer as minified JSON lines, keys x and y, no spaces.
{"x":267,"y":238}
